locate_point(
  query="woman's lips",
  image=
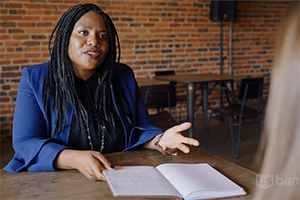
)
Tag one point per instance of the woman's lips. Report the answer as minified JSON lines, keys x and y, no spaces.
{"x":92,"y":54}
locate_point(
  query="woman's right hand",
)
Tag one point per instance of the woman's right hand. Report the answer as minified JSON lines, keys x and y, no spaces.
{"x":89,"y":163}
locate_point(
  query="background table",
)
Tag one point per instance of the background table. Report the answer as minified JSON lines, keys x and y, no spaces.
{"x":149,"y":82}
{"x":71,"y":184}
{"x":191,"y":80}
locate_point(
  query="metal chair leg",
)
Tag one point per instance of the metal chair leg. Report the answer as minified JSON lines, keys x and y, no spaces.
{"x":258,"y":130}
{"x":232,"y":134}
{"x":180,"y":112}
{"x":207,"y":131}
{"x":199,"y":119}
{"x":239,"y":139}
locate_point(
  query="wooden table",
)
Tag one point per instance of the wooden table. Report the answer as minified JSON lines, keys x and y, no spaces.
{"x":191,"y":80}
{"x":71,"y":184}
{"x":149,"y":82}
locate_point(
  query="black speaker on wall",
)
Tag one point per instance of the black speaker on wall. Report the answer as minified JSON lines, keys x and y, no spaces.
{"x":223,"y":10}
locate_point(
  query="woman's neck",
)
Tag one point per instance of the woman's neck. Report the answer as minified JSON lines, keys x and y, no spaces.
{"x":84,"y":74}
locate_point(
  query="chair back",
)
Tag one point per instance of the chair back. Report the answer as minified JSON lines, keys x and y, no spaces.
{"x":164,"y":73}
{"x":252,"y":87}
{"x":159,"y":96}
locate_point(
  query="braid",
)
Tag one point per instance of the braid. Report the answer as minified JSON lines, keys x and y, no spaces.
{"x":109,"y":66}
{"x":60,"y":84}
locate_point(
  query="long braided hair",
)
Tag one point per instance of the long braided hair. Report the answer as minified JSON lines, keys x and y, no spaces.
{"x":60,"y":77}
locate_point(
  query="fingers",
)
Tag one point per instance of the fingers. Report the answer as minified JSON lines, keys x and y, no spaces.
{"x":103,"y":164}
{"x":190,"y":141}
{"x":166,"y":151}
{"x":183,"y":148}
{"x":93,"y":164}
{"x":106,"y":164}
{"x":161,"y":149}
{"x":98,"y":172}
{"x":182,"y":127}
{"x":171,"y":151}
{"x":172,"y":138}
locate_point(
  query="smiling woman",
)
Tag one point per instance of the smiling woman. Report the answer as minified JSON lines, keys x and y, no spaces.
{"x":84,"y":103}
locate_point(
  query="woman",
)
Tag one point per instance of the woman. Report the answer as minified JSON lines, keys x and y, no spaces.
{"x":83,"y":104}
{"x":280,"y":171}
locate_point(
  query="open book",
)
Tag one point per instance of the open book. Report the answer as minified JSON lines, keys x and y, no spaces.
{"x":184,"y":181}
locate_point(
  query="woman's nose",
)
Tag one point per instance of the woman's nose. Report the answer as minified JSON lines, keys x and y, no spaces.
{"x":93,"y":41}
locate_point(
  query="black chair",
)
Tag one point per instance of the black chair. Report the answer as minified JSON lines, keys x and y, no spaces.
{"x":160,"y":97}
{"x":240,"y":114}
{"x":181,"y":98}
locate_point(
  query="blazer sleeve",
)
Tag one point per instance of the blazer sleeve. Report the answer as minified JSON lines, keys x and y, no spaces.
{"x":34,"y":149}
{"x":141,"y":130}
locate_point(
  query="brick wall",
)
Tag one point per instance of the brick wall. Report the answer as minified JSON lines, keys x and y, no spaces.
{"x":154,"y":35}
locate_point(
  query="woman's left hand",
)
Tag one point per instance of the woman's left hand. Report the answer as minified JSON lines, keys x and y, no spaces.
{"x":172,"y":140}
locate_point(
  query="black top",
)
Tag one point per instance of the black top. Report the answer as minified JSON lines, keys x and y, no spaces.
{"x":79,"y":136}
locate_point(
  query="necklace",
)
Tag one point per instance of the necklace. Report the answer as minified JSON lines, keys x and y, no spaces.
{"x":84,"y":115}
{"x":86,"y":123}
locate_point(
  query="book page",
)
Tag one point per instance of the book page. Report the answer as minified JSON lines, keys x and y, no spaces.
{"x":139,"y":181}
{"x":199,"y":181}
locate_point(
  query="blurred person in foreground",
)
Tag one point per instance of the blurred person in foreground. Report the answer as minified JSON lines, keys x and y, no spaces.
{"x":280,"y":151}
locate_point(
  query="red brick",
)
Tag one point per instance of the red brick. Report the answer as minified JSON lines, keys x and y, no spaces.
{"x":21,"y":37}
{"x":13,"y":93}
{"x":44,"y":24}
{"x":34,"y":30}
{"x":35,"y":48}
{"x":31,"y":18}
{"x":7,"y":24}
{"x":15,"y":86}
{"x":5,"y":37}
{"x":11,"y":49}
{"x":35,"y":12}
{"x":50,"y":18}
{"x":11,"y":18}
{"x":26,"y":24}
{"x":42,"y":60}
{"x":32,"y":55}
{"x":31,"y":43}
{"x":13,"y":5}
{"x":4,"y":62}
{"x":11,"y":106}
{"x":32,"y":6}
{"x":4,"y":99}
{"x":24,"y":61}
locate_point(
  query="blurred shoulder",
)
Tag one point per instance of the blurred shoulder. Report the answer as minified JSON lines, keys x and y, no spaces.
{"x":124,"y":69}
{"x":38,"y":71}
{"x":124,"y":75}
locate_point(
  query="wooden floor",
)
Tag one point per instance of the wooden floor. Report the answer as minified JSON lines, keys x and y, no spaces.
{"x":219,"y":143}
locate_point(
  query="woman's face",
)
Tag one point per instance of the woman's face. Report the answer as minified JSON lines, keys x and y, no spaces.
{"x":88,"y":44}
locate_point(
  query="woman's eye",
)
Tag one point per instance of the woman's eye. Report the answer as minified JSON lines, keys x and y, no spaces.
{"x":103,"y":37}
{"x":83,"y":32}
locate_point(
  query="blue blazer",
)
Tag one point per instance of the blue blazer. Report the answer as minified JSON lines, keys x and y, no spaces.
{"x":35,"y":149}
